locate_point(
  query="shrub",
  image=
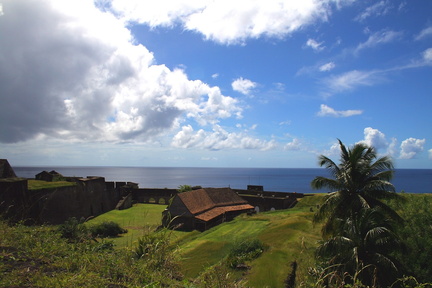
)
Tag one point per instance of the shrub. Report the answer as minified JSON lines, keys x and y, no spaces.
{"x":243,"y":252}
{"x":106,"y":229}
{"x":159,"y":255}
{"x":74,"y":230}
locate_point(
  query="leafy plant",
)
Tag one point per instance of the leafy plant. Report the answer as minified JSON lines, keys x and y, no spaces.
{"x":360,"y":180}
{"x":244,"y":251}
{"x":74,"y":230}
{"x":416,"y":233}
{"x":362,"y":249}
{"x":106,"y":229}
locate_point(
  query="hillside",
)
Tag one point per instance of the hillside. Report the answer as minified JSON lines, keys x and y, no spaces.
{"x":288,"y":234}
{"x":39,"y":257}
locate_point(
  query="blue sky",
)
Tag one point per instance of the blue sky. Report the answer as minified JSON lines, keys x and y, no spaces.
{"x":262,"y":83}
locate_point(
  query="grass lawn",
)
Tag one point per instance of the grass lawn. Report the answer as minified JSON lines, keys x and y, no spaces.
{"x":39,"y":184}
{"x":288,"y":234}
{"x":137,"y":220}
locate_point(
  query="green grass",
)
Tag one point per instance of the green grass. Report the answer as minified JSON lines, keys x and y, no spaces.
{"x":39,"y":184}
{"x":288,"y":234}
{"x":138,"y":220}
{"x":38,"y":257}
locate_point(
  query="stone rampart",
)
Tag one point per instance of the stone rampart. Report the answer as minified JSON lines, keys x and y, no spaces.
{"x":153,"y":195}
{"x":14,"y":199}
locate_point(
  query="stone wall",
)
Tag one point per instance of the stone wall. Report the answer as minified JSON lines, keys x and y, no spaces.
{"x":88,"y":198}
{"x":159,"y":196}
{"x":14,"y":199}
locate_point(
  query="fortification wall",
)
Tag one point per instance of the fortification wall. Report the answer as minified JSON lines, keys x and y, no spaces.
{"x":13,"y":198}
{"x":159,"y":196}
{"x":88,"y":198}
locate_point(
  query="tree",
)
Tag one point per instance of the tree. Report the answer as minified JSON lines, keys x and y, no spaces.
{"x":360,"y":180}
{"x":362,"y":251}
{"x":184,"y":188}
{"x":417,"y":235}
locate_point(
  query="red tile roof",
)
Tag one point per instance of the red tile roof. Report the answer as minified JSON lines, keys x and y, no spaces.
{"x":215,"y":212}
{"x":208,"y":203}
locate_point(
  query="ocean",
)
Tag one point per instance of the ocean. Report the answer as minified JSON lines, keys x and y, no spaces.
{"x":273,"y":179}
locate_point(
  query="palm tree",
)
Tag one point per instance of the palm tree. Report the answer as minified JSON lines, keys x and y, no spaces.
{"x":362,"y":251}
{"x":359,"y":181}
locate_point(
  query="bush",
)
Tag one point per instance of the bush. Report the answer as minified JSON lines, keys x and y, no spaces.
{"x":156,"y":250}
{"x":243,"y":252}
{"x":74,"y":230}
{"x":106,"y":229}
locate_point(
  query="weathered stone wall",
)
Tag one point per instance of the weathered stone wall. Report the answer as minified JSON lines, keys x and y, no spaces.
{"x":268,"y":200}
{"x":143,"y":195}
{"x":14,"y":202}
{"x":88,"y":198}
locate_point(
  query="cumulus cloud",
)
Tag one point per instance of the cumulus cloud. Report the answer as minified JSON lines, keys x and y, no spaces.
{"x":70,"y":71}
{"x":294,"y":145}
{"x":316,"y":46}
{"x":375,"y":138}
{"x":327,"y":67}
{"x":243,"y":86}
{"x":228,"y":22}
{"x":328,"y":111}
{"x":218,"y":139}
{"x":411,"y":147}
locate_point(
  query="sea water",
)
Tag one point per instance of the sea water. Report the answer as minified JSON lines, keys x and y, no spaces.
{"x":273,"y":179}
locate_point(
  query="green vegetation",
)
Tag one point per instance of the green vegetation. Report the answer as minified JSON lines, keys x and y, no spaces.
{"x":40,"y":257}
{"x":137,"y":221}
{"x":360,"y":235}
{"x":416,"y":232}
{"x":243,"y":252}
{"x":39,"y":184}
{"x":360,"y":181}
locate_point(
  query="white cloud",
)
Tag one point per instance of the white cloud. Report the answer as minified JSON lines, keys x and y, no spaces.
{"x":350,"y":80}
{"x":215,"y":76}
{"x":427,"y":55}
{"x":425,"y":33}
{"x":379,"y":38}
{"x":283,"y":123}
{"x":375,"y":138}
{"x":327,"y":67}
{"x":378,"y":9}
{"x":228,"y":22}
{"x":410,"y":147}
{"x":333,"y":151}
{"x":392,"y":148}
{"x":315,"y":45}
{"x":294,"y":145}
{"x":430,"y":154}
{"x":86,"y":79}
{"x":328,"y":111}
{"x":218,"y":139}
{"x":243,"y":86}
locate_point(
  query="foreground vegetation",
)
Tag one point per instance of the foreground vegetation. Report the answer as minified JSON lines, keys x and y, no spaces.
{"x":40,"y":257}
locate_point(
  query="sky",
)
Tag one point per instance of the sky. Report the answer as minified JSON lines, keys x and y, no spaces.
{"x":214,"y":83}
